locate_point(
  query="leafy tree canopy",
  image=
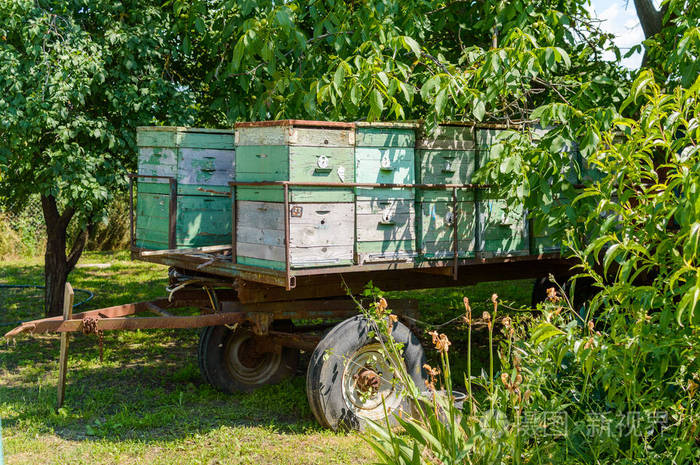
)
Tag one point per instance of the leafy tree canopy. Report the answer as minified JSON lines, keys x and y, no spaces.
{"x":390,"y":59}
{"x":76,"y":78}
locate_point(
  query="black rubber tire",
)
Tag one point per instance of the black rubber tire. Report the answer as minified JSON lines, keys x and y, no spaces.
{"x":215,"y":367}
{"x":203,"y":337}
{"x":312,"y":373}
{"x":325,"y":372}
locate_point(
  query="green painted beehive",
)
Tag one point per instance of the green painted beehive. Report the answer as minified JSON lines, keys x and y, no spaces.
{"x":503,"y":228}
{"x":446,"y":155}
{"x":321,"y":219}
{"x":384,"y":154}
{"x":199,"y":160}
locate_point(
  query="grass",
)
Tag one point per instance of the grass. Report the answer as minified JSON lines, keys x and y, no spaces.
{"x":146,"y":402}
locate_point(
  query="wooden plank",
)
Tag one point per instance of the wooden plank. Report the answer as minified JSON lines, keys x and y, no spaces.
{"x":322,"y":164}
{"x":435,"y":224}
{"x":321,"y":137}
{"x":208,"y":249}
{"x":436,"y":232}
{"x":395,"y":205}
{"x":300,"y":256}
{"x":384,"y":137}
{"x":157,"y":137}
{"x":385,"y":165}
{"x":262,"y":163}
{"x":200,"y":221}
{"x":322,"y":224}
{"x":193,"y":138}
{"x":443,"y":195}
{"x":202,"y":190}
{"x":384,"y":193}
{"x":503,"y":228}
{"x":413,"y":125}
{"x":300,"y":136}
{"x":261,"y":236}
{"x":445,"y":166}
{"x":157,"y":161}
{"x":203,"y":221}
{"x":261,"y":215}
{"x":435,"y":250}
{"x":385,"y":220}
{"x":206,"y":167}
{"x":324,"y":229}
{"x":386,"y":251}
{"x":296,"y":194}
{"x":448,"y":138}
{"x":172,"y":215}
{"x":68,"y":297}
{"x":295,"y":122}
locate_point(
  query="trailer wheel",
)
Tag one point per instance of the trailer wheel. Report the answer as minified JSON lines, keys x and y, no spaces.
{"x":348,"y":376}
{"x":234,"y":361}
{"x":203,"y":337}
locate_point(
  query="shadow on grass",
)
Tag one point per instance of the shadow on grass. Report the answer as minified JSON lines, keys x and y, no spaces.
{"x":148,"y":389}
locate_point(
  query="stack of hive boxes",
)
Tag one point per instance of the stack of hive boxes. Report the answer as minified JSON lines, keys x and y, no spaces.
{"x":446,"y":155}
{"x":328,"y":226}
{"x":385,"y":226}
{"x":503,"y":227}
{"x":202,"y":161}
{"x":321,"y":219}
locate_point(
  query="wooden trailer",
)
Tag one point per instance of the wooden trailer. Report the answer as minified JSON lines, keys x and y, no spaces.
{"x":284,"y":223}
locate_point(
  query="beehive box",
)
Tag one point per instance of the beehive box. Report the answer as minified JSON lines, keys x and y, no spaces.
{"x":321,"y":219}
{"x":198,"y":159}
{"x":385,"y":221}
{"x":503,"y":228}
{"x":446,"y":155}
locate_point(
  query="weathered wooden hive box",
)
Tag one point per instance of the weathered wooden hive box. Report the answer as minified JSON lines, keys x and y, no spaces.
{"x":321,"y":219}
{"x":199,"y":160}
{"x":385,"y":224}
{"x":503,"y":228}
{"x":447,"y":155}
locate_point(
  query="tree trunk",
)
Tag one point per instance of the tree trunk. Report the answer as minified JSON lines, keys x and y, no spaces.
{"x":649,"y":17}
{"x":651,"y":20}
{"x":56,"y":264}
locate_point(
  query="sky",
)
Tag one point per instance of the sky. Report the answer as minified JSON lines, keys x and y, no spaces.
{"x":620,"y":18}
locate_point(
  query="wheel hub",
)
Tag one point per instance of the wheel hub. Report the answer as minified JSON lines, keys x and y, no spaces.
{"x":246,"y":362}
{"x":367,"y":380}
{"x":369,"y":385}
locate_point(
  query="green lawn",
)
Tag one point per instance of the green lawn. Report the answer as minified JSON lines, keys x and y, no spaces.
{"x":146,"y":402}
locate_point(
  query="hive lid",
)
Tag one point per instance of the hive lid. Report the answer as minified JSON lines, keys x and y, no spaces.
{"x":183,"y":129}
{"x":296,"y":123}
{"x":388,"y":124}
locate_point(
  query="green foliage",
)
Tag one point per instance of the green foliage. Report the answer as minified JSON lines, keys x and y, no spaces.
{"x":648,"y":246}
{"x":673,"y":53}
{"x":76,"y":78}
{"x":389,"y":59}
{"x":22,"y":233}
{"x":572,"y":391}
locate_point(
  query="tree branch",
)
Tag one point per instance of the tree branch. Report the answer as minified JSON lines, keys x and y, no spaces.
{"x":649,"y":17}
{"x":77,"y":249}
